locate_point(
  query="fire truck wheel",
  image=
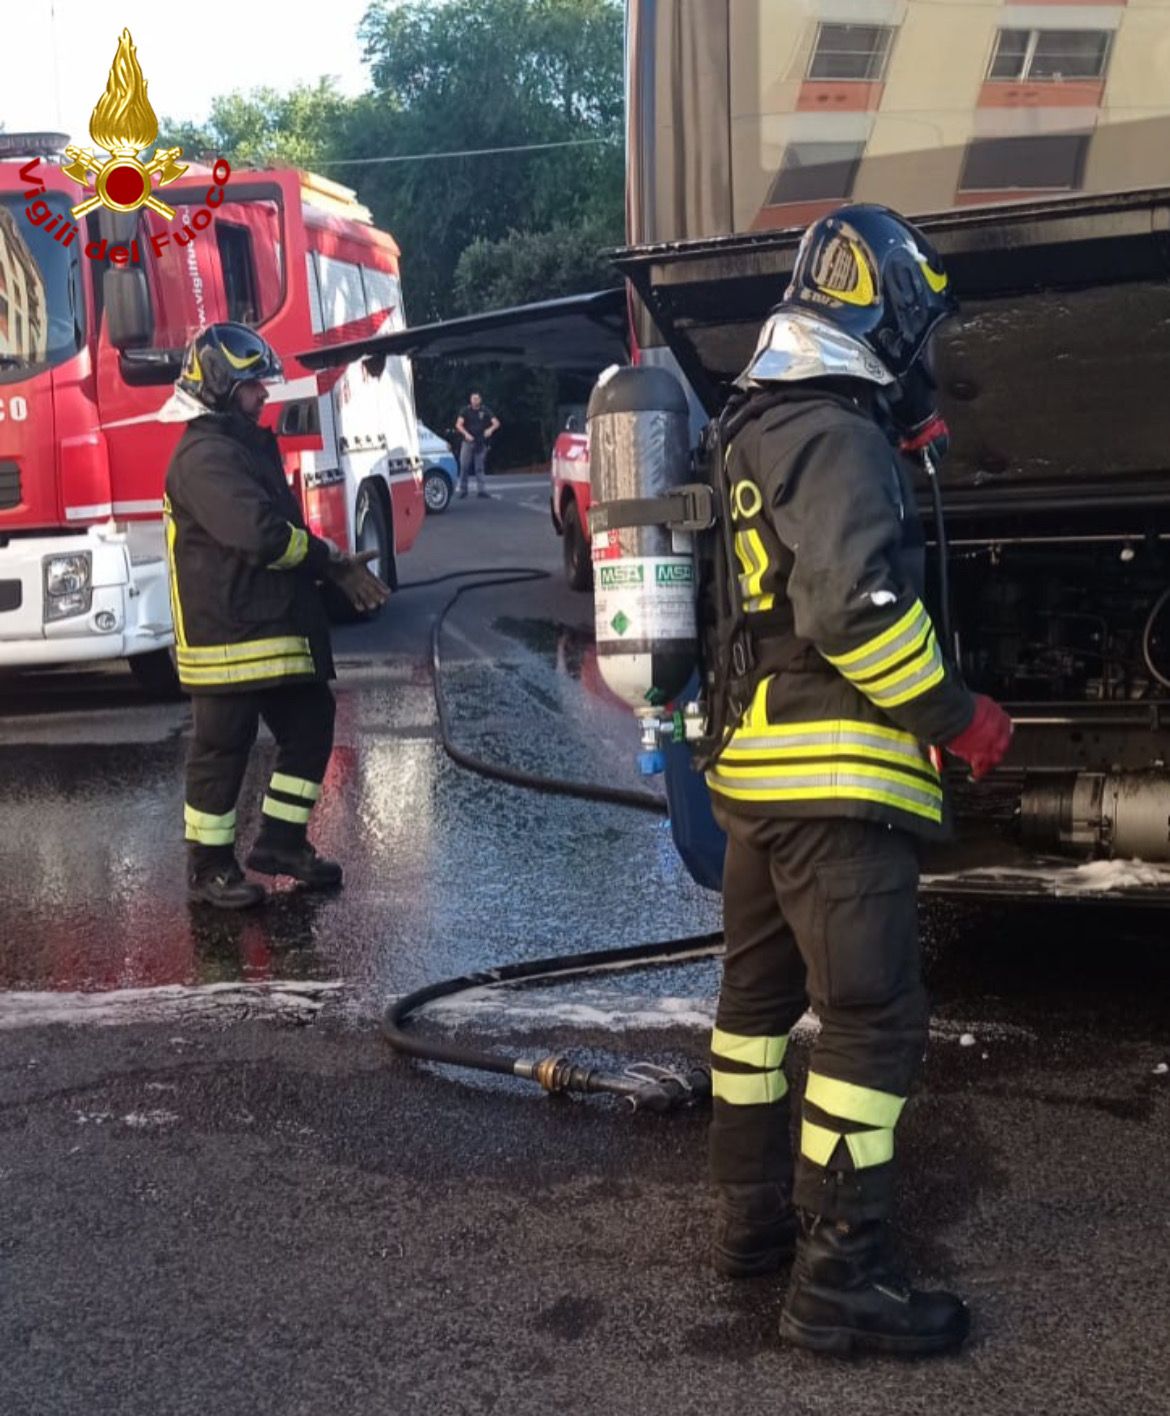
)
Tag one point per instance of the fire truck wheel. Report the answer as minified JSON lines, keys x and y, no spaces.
{"x":578,"y":565}
{"x":156,"y":673}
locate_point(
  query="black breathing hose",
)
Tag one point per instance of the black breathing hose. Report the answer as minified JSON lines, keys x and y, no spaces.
{"x":944,"y":569}
{"x":643,"y":1085}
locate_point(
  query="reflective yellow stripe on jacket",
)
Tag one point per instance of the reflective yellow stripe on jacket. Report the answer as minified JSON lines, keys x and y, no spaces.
{"x":898,"y":665}
{"x":753,"y":557}
{"x":838,"y":759}
{"x":216,"y":665}
{"x":173,"y":574}
{"x":295,"y":552}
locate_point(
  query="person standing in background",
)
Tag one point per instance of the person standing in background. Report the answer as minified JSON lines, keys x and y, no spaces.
{"x":475,"y":425}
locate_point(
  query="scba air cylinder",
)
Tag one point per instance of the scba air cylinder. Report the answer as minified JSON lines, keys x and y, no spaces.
{"x":643,"y":574}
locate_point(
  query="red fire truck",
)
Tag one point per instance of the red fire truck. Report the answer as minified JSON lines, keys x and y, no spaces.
{"x":94,"y":315}
{"x":569,"y":477}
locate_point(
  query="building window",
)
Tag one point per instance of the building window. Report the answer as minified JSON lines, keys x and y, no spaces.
{"x":851,"y":52}
{"x":813,"y":171}
{"x":1049,"y":55}
{"x":1052,"y":161}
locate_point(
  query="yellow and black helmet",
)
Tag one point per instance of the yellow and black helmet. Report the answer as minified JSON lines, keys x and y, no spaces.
{"x":873,"y":275}
{"x":223,"y":356}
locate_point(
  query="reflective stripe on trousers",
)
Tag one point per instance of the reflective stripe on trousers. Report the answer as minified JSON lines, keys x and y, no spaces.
{"x":290,"y":799}
{"x":206,"y":829}
{"x":860,"y":1119}
{"x":753,"y":1077}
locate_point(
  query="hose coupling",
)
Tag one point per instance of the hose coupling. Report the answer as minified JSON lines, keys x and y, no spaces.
{"x":554,"y":1074}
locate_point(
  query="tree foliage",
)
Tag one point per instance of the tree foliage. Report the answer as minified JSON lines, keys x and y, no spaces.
{"x":301,"y":128}
{"x":475,"y":74}
{"x":477,"y":232}
{"x":533,"y":265}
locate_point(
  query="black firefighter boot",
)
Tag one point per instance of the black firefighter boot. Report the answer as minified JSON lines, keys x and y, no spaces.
{"x":215,"y":878}
{"x":755,"y":1229}
{"x":846,"y":1296}
{"x":284,"y":849}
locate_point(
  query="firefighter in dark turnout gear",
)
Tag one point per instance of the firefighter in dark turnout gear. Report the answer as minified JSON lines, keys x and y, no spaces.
{"x":251,"y":635}
{"x":827,"y":776}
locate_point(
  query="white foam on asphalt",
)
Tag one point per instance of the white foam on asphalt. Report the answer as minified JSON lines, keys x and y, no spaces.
{"x":1098,"y":877}
{"x":148,"y":1120}
{"x":505,"y":1010}
{"x":499,"y":1011}
{"x":177,"y":1002}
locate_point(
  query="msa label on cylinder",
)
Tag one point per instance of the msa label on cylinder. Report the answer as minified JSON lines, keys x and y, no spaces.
{"x":651,"y":597}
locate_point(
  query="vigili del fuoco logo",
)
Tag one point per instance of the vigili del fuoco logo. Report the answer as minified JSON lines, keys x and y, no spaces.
{"x":123,"y":125}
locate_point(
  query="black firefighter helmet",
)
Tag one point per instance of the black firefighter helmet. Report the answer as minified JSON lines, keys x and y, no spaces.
{"x":223,"y":356}
{"x":874,"y":276}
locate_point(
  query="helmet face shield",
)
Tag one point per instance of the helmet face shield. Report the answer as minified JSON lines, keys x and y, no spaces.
{"x":796,"y":344}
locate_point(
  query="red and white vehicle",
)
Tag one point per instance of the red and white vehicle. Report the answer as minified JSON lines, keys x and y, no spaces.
{"x":93,"y":319}
{"x":569,"y":502}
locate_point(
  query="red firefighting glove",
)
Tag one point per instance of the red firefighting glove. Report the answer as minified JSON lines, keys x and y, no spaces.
{"x":984,"y":743}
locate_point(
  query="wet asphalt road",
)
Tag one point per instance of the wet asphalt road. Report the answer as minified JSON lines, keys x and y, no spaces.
{"x":219,"y":1193}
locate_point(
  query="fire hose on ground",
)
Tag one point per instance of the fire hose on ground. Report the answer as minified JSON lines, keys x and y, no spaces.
{"x":644,"y":1086}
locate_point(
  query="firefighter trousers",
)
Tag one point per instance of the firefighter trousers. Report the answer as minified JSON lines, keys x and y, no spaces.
{"x":820,"y":911}
{"x":300,"y":718}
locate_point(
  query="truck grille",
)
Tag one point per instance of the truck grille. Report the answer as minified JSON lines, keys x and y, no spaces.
{"x":9,"y":595}
{"x":9,"y":486}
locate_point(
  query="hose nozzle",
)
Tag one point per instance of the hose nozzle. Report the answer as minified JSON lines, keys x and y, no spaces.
{"x":660,"y":1089}
{"x":645,"y":1086}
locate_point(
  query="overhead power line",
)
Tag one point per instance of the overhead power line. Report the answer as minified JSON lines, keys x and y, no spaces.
{"x":464,"y":152}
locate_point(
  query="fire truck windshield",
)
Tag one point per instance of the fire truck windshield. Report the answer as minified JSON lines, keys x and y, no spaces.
{"x":41,"y":308}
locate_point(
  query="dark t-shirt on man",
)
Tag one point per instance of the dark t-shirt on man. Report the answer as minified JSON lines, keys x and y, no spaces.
{"x":475,"y":420}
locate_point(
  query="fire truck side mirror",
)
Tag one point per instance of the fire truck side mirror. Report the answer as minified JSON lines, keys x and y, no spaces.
{"x":146,"y":367}
{"x":128,"y":314}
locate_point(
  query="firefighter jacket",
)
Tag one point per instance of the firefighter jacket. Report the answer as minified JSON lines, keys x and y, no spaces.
{"x":850,"y":685}
{"x":244,"y":570}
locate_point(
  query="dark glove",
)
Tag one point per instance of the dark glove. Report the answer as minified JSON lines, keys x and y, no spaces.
{"x":983,"y":744}
{"x":360,"y":586}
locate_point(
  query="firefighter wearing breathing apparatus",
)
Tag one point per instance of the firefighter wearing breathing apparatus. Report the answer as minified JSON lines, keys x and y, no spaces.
{"x":833,"y":688}
{"x":251,"y":635}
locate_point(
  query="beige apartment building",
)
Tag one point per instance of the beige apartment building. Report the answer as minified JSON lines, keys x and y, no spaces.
{"x":926,"y":105}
